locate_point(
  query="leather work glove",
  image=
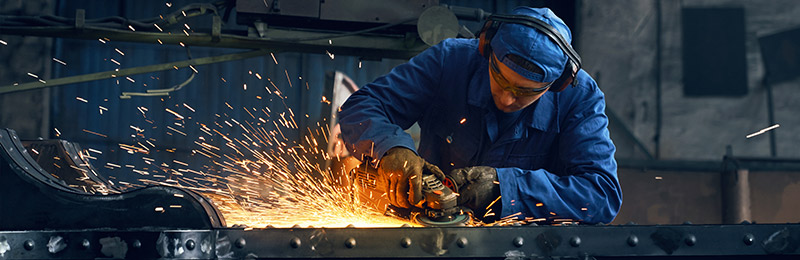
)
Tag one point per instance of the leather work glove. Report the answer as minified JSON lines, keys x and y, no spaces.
{"x":402,"y":170}
{"x":477,"y":188}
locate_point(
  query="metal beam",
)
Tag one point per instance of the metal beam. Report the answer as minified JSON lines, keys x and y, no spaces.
{"x":130,"y":71}
{"x":276,"y":40}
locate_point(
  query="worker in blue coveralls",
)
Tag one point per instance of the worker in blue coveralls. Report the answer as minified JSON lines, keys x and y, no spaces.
{"x":493,"y":117}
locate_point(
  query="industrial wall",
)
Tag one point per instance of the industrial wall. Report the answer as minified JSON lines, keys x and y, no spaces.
{"x":635,"y":51}
{"x":633,"y":54}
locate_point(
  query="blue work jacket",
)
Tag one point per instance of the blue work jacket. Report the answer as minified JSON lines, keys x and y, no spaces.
{"x":555,"y":162}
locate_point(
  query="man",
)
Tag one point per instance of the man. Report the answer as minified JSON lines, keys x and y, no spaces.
{"x":490,"y":118}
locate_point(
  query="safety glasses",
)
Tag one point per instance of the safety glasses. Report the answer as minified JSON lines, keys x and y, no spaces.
{"x":506,"y":85}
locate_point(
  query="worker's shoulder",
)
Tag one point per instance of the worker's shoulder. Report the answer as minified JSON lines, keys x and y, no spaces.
{"x":454,"y":46}
{"x":584,"y":87}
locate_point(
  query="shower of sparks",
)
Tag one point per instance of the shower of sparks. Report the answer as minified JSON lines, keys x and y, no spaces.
{"x":33,"y":75}
{"x":273,"y":58}
{"x":82,"y":99}
{"x":158,"y":27}
{"x":131,"y":27}
{"x":102,"y":41}
{"x":254,"y":174}
{"x":287,"y":78}
{"x":60,"y":62}
{"x":3,"y":42}
{"x":119,"y":51}
{"x":329,"y":54}
{"x":763,"y":131}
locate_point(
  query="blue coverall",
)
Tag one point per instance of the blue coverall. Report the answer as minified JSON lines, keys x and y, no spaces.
{"x":556,"y":161}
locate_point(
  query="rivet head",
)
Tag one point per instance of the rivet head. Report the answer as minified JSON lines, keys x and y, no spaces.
{"x":28,"y":245}
{"x":240,"y":243}
{"x":137,"y":243}
{"x":690,"y":240}
{"x":749,"y":239}
{"x":85,"y":244}
{"x":633,"y":240}
{"x":518,"y":241}
{"x":405,"y":242}
{"x":462,"y":242}
{"x":190,"y":244}
{"x":295,"y":243}
{"x":350,"y":243}
{"x":575,"y":241}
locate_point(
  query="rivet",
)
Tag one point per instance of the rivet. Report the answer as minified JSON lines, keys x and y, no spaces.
{"x":190,"y":244}
{"x":462,"y":242}
{"x":633,"y":240}
{"x":240,"y":243}
{"x":575,"y":241}
{"x":28,"y":245}
{"x":518,"y":241}
{"x":350,"y":243}
{"x":85,"y":244}
{"x":406,"y":225}
{"x":295,"y":243}
{"x":297,"y":226}
{"x":137,"y":243}
{"x":690,"y":240}
{"x":350,"y":226}
{"x":749,"y":239}
{"x":405,"y":242}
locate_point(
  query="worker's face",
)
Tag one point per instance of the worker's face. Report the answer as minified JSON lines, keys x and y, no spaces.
{"x":512,"y":92}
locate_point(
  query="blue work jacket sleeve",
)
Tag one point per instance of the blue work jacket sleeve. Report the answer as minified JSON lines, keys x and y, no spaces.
{"x":374,"y":117}
{"x":586,"y":189}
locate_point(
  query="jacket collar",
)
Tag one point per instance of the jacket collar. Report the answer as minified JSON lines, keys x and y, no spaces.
{"x":545,"y":112}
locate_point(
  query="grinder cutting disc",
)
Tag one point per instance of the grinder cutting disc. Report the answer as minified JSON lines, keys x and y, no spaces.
{"x":459,"y":220}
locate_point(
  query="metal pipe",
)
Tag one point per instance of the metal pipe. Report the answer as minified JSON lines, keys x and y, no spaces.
{"x":735,"y":196}
{"x":771,"y":117}
{"x":657,"y":136}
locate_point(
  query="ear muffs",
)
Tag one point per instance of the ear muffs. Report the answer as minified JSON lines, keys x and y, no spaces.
{"x":485,"y":38}
{"x":567,"y":77}
{"x":573,"y":65}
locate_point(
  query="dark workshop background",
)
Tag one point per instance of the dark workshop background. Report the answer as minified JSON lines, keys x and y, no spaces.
{"x":685,"y":81}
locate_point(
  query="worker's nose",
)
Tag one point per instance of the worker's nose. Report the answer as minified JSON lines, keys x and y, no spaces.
{"x":507,"y":98}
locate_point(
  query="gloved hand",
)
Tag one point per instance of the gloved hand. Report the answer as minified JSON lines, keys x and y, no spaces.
{"x":401,"y":170}
{"x":477,"y":188}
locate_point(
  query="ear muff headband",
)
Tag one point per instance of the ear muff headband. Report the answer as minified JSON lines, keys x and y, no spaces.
{"x":573,"y":65}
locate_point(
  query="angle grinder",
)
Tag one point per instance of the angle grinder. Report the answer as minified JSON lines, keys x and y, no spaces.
{"x":440,"y":202}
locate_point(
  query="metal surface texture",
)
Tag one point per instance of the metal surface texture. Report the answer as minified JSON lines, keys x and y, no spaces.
{"x":34,"y":199}
{"x":754,"y":241}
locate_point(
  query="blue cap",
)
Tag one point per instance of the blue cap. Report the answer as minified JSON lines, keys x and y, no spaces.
{"x":532,"y":45}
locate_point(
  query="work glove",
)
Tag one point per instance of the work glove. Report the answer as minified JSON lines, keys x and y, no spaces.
{"x":478,"y":190}
{"x":401,"y":170}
